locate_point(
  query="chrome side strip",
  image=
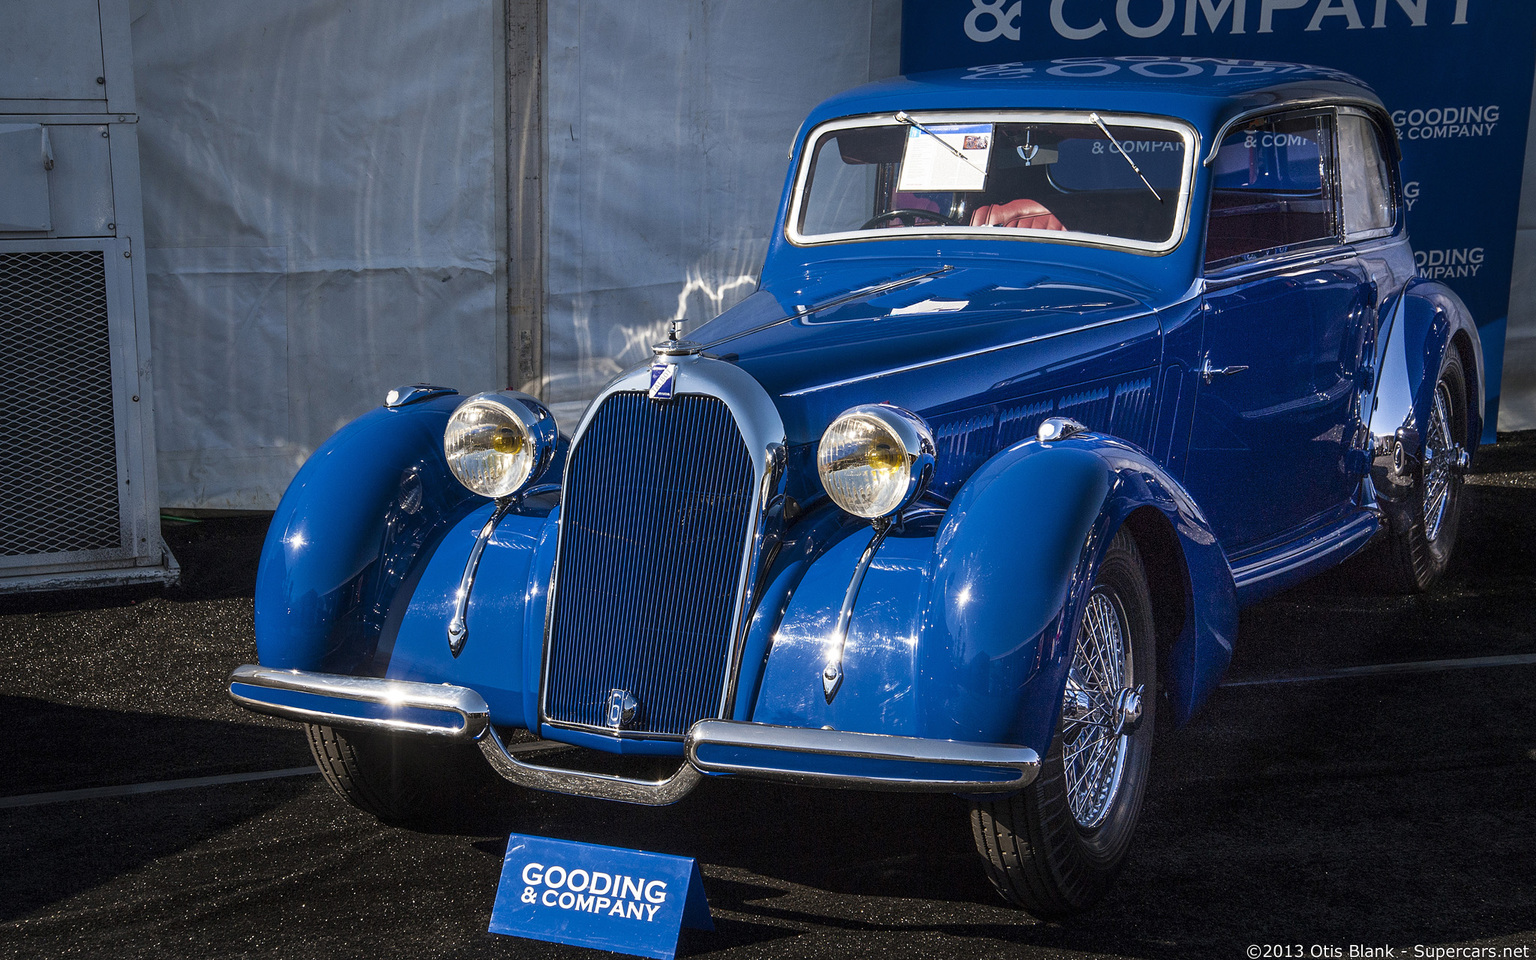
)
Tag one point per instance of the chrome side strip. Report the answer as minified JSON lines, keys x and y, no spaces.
{"x":921,"y":364}
{"x":837,"y":641}
{"x":458,"y":627}
{"x":399,"y":706}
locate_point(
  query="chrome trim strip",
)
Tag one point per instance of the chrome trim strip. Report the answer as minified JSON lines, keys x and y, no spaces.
{"x":863,"y":293}
{"x":653,"y":793}
{"x":763,"y":432}
{"x":837,"y":640}
{"x":468,"y":704}
{"x":1023,"y":761}
{"x":458,"y":627}
{"x":1314,"y":547}
{"x":976,"y":353}
{"x":1294,"y":106}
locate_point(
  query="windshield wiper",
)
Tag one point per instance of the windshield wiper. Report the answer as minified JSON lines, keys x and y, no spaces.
{"x":903,"y":117}
{"x":1121,"y":150}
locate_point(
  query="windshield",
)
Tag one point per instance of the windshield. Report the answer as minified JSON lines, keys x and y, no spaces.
{"x":1080,"y":177}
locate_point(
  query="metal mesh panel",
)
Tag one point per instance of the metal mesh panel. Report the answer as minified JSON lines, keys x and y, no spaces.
{"x":58,"y":449}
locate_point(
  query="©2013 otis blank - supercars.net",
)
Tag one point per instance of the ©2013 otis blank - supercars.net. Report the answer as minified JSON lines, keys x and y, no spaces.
{"x":1044,"y":378}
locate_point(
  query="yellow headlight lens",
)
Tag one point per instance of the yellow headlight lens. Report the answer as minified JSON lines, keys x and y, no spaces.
{"x":488,"y":448}
{"x":864,"y":466}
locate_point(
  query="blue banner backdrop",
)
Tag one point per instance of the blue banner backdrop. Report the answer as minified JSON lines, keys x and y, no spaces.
{"x":1456,"y":75}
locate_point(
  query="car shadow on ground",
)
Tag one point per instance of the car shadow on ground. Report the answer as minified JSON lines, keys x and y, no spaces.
{"x":57,"y":850}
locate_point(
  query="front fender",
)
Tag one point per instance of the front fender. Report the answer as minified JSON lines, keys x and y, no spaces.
{"x":345,"y":537}
{"x":963,"y":629}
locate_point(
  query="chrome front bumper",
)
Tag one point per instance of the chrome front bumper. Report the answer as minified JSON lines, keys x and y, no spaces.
{"x":826,"y":758}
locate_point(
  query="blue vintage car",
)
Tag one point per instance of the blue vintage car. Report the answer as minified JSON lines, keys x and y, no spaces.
{"x":1051,"y":368}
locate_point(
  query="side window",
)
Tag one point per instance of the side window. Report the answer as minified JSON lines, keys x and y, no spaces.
{"x":1270,"y":189}
{"x":1365,"y":182}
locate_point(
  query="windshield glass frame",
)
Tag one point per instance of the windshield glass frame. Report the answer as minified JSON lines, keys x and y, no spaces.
{"x":1116,"y":122}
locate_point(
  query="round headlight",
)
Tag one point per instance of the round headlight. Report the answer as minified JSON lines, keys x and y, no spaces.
{"x":498,"y":443}
{"x":875,"y":459}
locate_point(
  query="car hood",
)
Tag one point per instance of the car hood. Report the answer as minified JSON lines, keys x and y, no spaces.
{"x":927,"y":337}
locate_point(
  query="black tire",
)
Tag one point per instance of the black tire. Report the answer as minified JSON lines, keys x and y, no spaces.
{"x":1037,"y":853}
{"x":407,"y":781}
{"x":1412,"y":559}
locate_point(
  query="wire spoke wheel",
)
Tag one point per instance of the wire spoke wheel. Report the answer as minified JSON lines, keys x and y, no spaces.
{"x":1417,"y":548}
{"x":1054,"y":847}
{"x":1441,"y":454}
{"x":1093,"y":749}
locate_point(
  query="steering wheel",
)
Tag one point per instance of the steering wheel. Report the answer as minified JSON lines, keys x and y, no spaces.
{"x":909,"y":216}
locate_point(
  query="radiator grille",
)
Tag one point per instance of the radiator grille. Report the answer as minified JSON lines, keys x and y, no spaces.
{"x":58,"y":450}
{"x":656,"y":513}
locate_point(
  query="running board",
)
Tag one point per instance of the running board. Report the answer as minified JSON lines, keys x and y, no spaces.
{"x":1279,"y":568}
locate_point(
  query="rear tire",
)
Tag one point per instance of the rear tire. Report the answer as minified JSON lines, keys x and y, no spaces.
{"x":1055,"y":847}
{"x":407,"y":781}
{"x":1412,"y":560}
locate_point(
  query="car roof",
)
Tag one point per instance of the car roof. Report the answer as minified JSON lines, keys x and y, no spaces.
{"x":1203,"y":90}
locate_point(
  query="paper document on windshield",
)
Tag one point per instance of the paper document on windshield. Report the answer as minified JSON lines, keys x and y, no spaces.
{"x":946,"y":157}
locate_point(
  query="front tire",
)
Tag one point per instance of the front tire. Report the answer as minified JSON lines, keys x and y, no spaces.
{"x":1055,"y":847}
{"x":406,"y":781}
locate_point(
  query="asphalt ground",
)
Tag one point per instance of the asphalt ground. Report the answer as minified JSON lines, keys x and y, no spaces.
{"x":1363,"y":809}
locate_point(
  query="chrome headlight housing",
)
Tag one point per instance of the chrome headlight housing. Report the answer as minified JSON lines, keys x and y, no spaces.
{"x":498,"y":443}
{"x":875,"y":459}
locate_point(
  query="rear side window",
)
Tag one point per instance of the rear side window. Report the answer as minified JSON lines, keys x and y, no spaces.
{"x":1365,"y":181}
{"x":1270,"y":190}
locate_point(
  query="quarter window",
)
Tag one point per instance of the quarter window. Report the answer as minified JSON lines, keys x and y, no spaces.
{"x":1271,"y":190}
{"x":1364,"y":179}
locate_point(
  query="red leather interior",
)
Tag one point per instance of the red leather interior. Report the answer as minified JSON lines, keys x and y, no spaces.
{"x":1022,"y":214}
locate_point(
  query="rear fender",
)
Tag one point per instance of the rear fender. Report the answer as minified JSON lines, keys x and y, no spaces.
{"x":1426,"y":321}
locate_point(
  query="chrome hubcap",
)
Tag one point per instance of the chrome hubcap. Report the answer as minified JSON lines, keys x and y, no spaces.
{"x":1099,"y":711}
{"x":1443,"y":457}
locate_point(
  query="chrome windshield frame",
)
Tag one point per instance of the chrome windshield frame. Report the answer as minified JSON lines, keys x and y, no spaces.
{"x":1186,"y":131}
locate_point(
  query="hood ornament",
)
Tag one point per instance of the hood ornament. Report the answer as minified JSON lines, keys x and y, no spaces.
{"x":664,"y":370}
{"x":675,"y":347}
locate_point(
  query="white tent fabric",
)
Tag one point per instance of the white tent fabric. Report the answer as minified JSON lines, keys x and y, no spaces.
{"x":319,"y":195}
{"x":325,"y":220}
{"x":668,"y":126}
{"x":321,"y":201}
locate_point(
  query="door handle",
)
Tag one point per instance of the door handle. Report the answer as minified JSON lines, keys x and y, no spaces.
{"x":1209,"y":373}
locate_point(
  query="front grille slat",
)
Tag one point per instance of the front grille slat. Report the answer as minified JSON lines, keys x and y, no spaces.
{"x":658,"y":506}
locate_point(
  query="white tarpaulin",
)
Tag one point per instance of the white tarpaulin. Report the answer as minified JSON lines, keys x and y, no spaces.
{"x":325,"y":221}
{"x":320,"y":203}
{"x":322,"y":209}
{"x":668,"y":126}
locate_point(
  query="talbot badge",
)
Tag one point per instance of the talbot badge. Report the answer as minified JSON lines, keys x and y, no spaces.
{"x":663,"y":380}
{"x":622,"y":708}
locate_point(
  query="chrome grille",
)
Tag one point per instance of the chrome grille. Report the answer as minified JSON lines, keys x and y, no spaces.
{"x":657,"y":509}
{"x":58,"y":449}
